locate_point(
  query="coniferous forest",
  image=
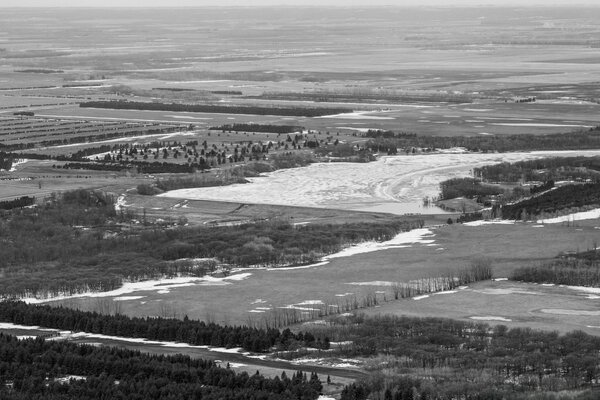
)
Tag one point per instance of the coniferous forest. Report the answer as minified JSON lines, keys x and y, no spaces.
{"x":55,"y":370}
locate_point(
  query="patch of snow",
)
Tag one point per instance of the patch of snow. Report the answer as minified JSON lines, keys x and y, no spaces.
{"x":161,"y":286}
{"x":424,"y":296}
{"x":401,"y":240}
{"x":491,"y":318}
{"x":560,"y":311}
{"x":505,"y":291}
{"x":309,"y":302}
{"x":373,"y":283}
{"x":592,"y":214}
{"x":499,"y":279}
{"x":356,"y":115}
{"x":127,"y":298}
{"x":489,"y":222}
{"x":393,"y":184}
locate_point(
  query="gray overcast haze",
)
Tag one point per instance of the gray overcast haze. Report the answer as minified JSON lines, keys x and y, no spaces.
{"x":200,"y":3}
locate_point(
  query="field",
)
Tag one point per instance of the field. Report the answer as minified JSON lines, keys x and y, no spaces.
{"x":372,"y":271}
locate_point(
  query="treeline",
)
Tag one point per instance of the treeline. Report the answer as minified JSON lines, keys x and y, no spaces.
{"x":194,"y":332}
{"x":551,"y":202}
{"x":580,"y":140}
{"x":206,"y":108}
{"x":466,"y":187}
{"x":573,"y":271}
{"x":35,"y":369}
{"x":22,"y":201}
{"x":545,"y":169}
{"x":436,"y":358}
{"x":142,"y":167}
{"x":265,"y":128}
{"x":76,"y":242}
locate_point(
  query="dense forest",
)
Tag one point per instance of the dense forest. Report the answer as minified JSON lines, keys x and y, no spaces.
{"x":35,"y":369}
{"x":562,"y":198}
{"x":543,"y":170}
{"x":77,"y":242}
{"x":207,"y":108}
{"x":433,"y":358}
{"x":266,"y":128}
{"x":580,"y":140}
{"x":164,"y":329}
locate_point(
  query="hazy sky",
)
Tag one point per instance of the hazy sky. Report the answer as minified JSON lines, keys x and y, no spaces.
{"x":199,"y":3}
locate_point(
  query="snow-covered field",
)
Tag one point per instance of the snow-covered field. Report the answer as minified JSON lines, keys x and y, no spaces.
{"x":393,"y":184}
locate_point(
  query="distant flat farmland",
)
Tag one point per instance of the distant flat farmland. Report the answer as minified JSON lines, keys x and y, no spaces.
{"x":22,"y":133}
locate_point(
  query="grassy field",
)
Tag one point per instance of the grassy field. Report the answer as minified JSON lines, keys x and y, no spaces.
{"x":249,"y":300}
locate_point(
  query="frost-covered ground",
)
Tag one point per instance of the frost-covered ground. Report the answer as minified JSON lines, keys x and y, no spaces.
{"x":394,"y":184}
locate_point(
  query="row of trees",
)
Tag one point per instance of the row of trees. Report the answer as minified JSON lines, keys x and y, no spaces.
{"x":580,"y":270}
{"x":208,"y":108}
{"x":35,"y":369}
{"x":193,"y":332}
{"x":580,"y":140}
{"x":265,"y":128}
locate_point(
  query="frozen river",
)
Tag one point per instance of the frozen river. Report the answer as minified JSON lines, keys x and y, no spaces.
{"x":393,"y":184}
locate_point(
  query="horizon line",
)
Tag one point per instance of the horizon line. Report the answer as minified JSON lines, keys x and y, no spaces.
{"x":563,"y":5}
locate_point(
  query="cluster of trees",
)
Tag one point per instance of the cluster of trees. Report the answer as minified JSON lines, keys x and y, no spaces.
{"x":446,"y":359}
{"x":545,"y":169}
{"x":6,"y":160}
{"x":581,"y":270}
{"x":200,"y":180}
{"x":185,"y":330}
{"x":561,"y":198}
{"x":535,"y":189}
{"x":580,"y":140}
{"x":218,"y":109}
{"x":77,"y":242}
{"x":466,"y":187}
{"x":35,"y":369}
{"x":265,"y":128}
{"x":21,"y":202}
